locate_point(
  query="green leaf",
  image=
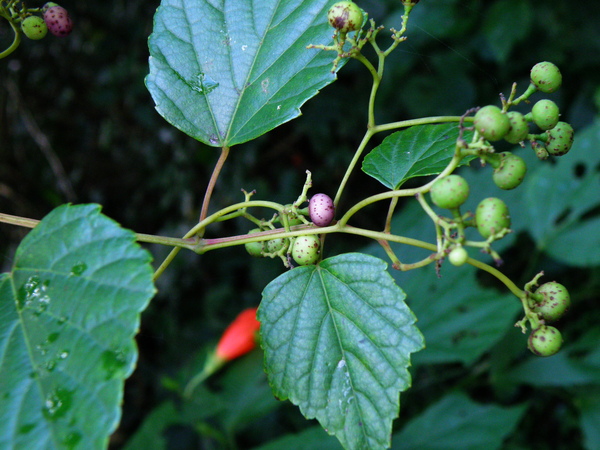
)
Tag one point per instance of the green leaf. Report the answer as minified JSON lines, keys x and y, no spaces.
{"x":69,"y":310}
{"x":228,"y":72}
{"x":313,"y":438}
{"x":456,"y":421}
{"x":507,"y":23}
{"x":338,"y":338}
{"x":418,"y":151}
{"x":562,"y":203}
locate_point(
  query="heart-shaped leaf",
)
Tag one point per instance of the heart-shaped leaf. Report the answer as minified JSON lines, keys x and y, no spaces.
{"x":69,"y":310}
{"x":415,"y":152}
{"x":228,"y":72}
{"x":338,"y":338}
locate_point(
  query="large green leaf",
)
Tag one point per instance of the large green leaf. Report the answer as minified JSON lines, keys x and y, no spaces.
{"x":69,"y":310}
{"x":338,"y":338}
{"x":562,"y":203}
{"x":506,"y":23}
{"x":418,"y":151}
{"x":456,"y":421}
{"x":226,"y":72}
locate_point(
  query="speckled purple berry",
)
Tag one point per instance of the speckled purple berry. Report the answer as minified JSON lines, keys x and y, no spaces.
{"x":321,"y":210}
{"x":58,"y":21}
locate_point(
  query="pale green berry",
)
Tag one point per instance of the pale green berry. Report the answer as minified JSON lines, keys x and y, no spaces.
{"x":546,"y":76}
{"x":545,"y":341}
{"x":511,"y":171}
{"x":491,"y":123}
{"x":519,"y":128}
{"x":458,"y":256}
{"x":555,"y":301}
{"x":491,"y":217}
{"x":34,"y":27}
{"x":545,"y":114}
{"x":450,"y":191}
{"x":345,"y":16}
{"x":255,"y":248}
{"x":560,"y":139}
{"x":305,"y":249}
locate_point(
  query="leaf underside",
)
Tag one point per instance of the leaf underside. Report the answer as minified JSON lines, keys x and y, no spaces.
{"x":226,"y":72}
{"x":338,"y":338}
{"x":69,"y":310}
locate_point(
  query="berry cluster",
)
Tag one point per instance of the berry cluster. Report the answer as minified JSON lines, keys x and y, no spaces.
{"x":304,"y":250}
{"x":54,"y":18}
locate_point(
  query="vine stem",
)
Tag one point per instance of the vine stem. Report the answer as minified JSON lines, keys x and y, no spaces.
{"x":16,"y":41}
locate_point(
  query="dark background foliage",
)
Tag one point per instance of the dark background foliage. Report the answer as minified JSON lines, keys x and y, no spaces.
{"x":78,"y":125}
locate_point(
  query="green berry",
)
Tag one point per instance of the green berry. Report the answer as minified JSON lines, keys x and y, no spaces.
{"x":34,"y":27}
{"x":560,"y":139}
{"x":491,"y":123}
{"x":450,"y":191}
{"x":345,"y":16}
{"x":458,"y":256}
{"x":545,"y":341}
{"x":546,"y":77}
{"x":275,"y":245}
{"x":519,"y":128}
{"x":511,"y":171}
{"x":554,"y":302}
{"x":545,"y":114}
{"x":255,"y":248}
{"x":305,"y":249}
{"x":491,"y":217}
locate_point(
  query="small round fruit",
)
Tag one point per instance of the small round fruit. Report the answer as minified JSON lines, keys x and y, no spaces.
{"x":554,"y":303}
{"x":560,"y":139}
{"x":546,"y":76}
{"x":58,"y":21}
{"x":255,"y":248}
{"x":511,"y":171}
{"x":458,"y":256}
{"x":491,"y":216}
{"x":275,"y":245}
{"x":491,"y":123}
{"x":450,"y":191}
{"x":305,"y":250}
{"x":545,"y":341}
{"x":321,"y":210}
{"x":345,"y":16}
{"x":34,"y":27}
{"x":519,"y":128}
{"x":545,"y":114}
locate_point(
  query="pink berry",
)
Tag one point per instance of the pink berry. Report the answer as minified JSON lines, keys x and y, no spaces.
{"x":58,"y":21}
{"x":321,"y":209}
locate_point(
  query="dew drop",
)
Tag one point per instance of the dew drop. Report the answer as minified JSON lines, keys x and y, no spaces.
{"x":113,"y":362}
{"x":78,"y":268}
{"x":57,"y":403}
{"x":64,"y":354}
{"x":33,"y":295}
{"x":24,"y":429}
{"x":72,"y":439}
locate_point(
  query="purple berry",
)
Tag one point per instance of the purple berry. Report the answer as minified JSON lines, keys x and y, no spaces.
{"x":321,"y":209}
{"x":58,"y":21}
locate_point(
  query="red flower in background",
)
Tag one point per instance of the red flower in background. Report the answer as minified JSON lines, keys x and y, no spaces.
{"x":240,"y":336}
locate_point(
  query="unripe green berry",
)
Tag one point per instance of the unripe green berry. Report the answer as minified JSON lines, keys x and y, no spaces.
{"x":560,"y":139}
{"x":545,"y":114}
{"x":255,"y":248}
{"x":491,"y":123}
{"x":458,"y":256}
{"x":491,"y":217}
{"x":305,"y":249}
{"x":545,"y":341}
{"x":519,"y":128}
{"x":345,"y":16}
{"x":554,"y":303}
{"x":546,"y":76}
{"x":34,"y":27}
{"x":450,"y":191}
{"x":511,"y":171}
{"x":275,"y":245}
